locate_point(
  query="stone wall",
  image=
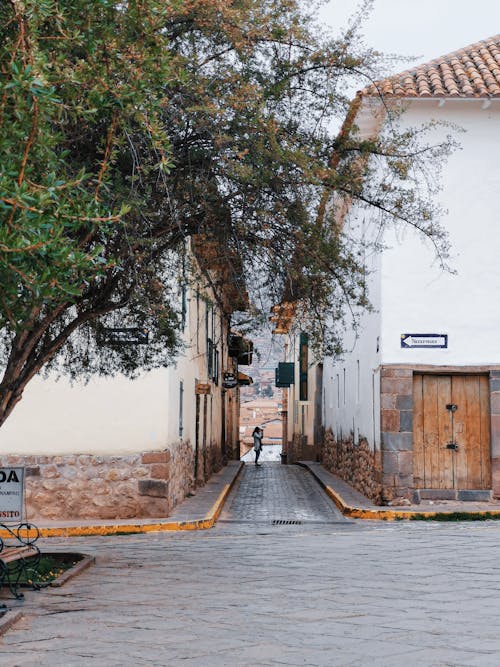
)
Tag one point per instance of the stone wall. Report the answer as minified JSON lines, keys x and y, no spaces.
{"x":392,"y":478}
{"x":181,"y":480}
{"x":295,"y":447}
{"x":209,"y":461}
{"x":355,"y":464}
{"x":147,"y":484}
{"x":396,"y":425}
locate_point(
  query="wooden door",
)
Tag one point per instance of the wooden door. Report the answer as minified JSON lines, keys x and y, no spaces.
{"x":451,"y":432}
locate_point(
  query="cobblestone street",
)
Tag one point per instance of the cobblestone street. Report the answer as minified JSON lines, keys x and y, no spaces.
{"x":250,"y":593}
{"x":272,"y":492}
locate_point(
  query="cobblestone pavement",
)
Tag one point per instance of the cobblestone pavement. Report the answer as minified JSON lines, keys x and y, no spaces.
{"x":245,"y":594}
{"x":273,"y":492}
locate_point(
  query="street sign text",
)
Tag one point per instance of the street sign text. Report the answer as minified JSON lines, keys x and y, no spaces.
{"x":11,"y":493}
{"x":409,"y":340}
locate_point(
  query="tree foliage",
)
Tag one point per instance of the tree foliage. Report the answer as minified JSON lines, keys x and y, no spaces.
{"x":128,"y":127}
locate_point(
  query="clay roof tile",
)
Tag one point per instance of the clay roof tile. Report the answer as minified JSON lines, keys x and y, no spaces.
{"x":473,"y":71}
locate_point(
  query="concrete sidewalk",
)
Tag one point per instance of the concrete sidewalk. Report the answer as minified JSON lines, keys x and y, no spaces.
{"x":356,"y":506}
{"x":197,"y":512}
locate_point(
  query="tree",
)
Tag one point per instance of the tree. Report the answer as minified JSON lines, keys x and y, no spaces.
{"x":76,"y":80}
{"x":257,"y":151}
{"x":128,"y":127}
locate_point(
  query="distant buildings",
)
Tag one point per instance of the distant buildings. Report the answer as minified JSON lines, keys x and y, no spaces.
{"x":263,"y":413}
{"x":261,"y":401}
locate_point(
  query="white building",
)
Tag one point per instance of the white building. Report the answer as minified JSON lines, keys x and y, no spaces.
{"x":120,"y":448}
{"x":414,"y":406}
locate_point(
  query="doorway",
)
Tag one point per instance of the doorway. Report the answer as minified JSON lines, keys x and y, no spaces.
{"x":451,"y":432}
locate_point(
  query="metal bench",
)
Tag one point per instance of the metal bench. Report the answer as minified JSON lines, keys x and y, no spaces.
{"x":19,"y":557}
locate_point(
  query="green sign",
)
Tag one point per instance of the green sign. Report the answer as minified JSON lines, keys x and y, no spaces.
{"x":285,"y":374}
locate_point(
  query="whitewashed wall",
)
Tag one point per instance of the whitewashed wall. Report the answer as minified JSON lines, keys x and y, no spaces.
{"x":351,"y":384}
{"x":115,"y":415}
{"x":104,"y":417}
{"x":409,"y":291}
{"x":417,"y":297}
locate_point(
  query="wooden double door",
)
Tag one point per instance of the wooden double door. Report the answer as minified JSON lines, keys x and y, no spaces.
{"x":451,"y":432}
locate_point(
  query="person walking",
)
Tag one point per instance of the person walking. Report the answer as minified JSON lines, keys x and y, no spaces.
{"x":257,"y":443}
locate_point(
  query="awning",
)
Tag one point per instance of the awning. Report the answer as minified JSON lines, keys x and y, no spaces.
{"x":244,"y":380}
{"x":240,"y":348}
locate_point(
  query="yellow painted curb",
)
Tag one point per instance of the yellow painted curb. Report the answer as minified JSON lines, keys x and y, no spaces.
{"x":360,"y":513}
{"x":393,"y":515}
{"x":128,"y":529}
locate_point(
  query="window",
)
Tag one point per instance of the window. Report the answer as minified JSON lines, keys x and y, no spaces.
{"x":208,"y":328}
{"x":210,"y":357}
{"x":209,"y":345}
{"x":181,"y":408}
{"x":183,"y":287}
{"x":212,"y":361}
{"x":215,"y":366}
{"x":303,"y":365}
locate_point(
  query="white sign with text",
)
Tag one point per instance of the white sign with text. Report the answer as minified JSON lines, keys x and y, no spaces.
{"x":11,"y":494}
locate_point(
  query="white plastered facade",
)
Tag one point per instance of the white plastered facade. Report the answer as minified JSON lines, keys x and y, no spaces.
{"x":119,"y":416}
{"x":409,"y":291}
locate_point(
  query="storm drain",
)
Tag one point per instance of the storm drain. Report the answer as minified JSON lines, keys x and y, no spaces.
{"x":286,"y":522}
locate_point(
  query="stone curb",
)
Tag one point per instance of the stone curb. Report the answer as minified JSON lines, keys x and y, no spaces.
{"x":208,"y":521}
{"x":398,"y":515}
{"x":8,"y":619}
{"x":83,"y":564}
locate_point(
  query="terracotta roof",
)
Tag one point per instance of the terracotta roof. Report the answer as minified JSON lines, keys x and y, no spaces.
{"x":473,"y":71}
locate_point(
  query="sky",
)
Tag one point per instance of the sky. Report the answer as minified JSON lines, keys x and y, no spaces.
{"x":425,"y":29}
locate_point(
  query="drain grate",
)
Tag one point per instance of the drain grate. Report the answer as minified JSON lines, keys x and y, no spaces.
{"x":286,"y":522}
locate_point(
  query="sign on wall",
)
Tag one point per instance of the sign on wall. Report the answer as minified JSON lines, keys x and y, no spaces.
{"x":230,"y":381}
{"x":11,"y":494}
{"x":409,"y":340}
{"x":124,"y":336}
{"x":284,"y":375}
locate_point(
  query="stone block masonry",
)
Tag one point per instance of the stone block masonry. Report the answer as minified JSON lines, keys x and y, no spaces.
{"x":387,"y":475}
{"x":83,"y":486}
{"x":396,"y":424}
{"x":300,"y":450}
{"x":296,"y":447}
{"x":355,"y":464}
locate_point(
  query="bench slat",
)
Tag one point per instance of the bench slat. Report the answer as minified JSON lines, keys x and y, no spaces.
{"x":9,"y":554}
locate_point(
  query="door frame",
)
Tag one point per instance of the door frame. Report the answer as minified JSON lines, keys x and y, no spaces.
{"x":451,"y":432}
{"x":396,"y":428}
